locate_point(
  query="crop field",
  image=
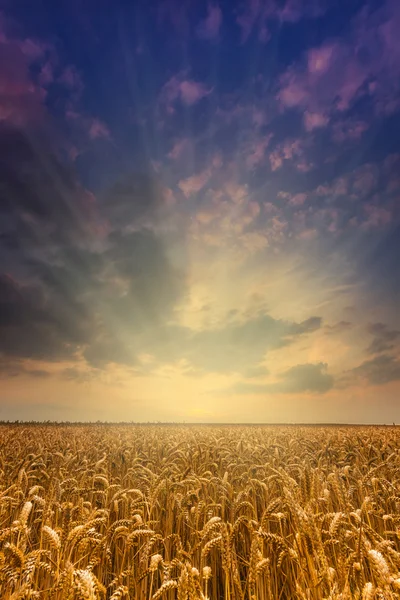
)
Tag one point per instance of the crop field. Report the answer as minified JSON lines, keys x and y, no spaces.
{"x":193,"y":512}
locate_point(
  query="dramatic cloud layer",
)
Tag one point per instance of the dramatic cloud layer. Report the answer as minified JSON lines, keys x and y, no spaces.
{"x":207,"y":232}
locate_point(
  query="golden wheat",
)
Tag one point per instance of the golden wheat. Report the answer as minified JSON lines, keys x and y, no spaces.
{"x":141,"y":512}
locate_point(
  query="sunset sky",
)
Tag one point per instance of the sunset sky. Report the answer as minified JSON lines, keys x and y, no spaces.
{"x":200,"y":210}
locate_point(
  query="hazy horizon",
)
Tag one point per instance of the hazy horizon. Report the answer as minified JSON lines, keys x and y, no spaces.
{"x":199,"y":423}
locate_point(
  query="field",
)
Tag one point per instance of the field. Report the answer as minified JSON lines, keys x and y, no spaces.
{"x":196,"y":512}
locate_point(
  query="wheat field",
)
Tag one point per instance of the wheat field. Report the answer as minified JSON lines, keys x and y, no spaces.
{"x":199,"y":512}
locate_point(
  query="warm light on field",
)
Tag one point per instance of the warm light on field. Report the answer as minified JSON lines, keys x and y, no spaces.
{"x":96,"y":512}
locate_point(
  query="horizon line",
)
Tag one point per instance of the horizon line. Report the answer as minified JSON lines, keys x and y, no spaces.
{"x":194,"y":423}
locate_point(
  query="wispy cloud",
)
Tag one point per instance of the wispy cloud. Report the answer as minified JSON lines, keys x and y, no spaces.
{"x":256,"y":15}
{"x":209,"y":28}
{"x":195,"y":183}
{"x":22,"y":97}
{"x":179,"y":89}
{"x":97,"y":129}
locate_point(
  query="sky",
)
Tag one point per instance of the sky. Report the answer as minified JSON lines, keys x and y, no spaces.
{"x":200,"y":210}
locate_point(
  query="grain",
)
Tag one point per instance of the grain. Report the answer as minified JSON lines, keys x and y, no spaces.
{"x":109,"y":512}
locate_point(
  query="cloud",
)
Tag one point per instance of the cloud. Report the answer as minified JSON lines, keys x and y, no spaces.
{"x":97,"y":129}
{"x":39,"y":326}
{"x":28,"y":71}
{"x":290,"y":149}
{"x":74,"y":288}
{"x":297,"y":199}
{"x":348,"y":129}
{"x":232,"y":347}
{"x":40,"y":197}
{"x":195,"y":183}
{"x":192,"y":91}
{"x":78,"y":375}
{"x":314,"y":120}
{"x":378,"y":371}
{"x":308,"y":326}
{"x":237,"y":345}
{"x":224,"y":216}
{"x":15,"y":368}
{"x":21,"y":99}
{"x":275,"y":160}
{"x":101,"y":306}
{"x":93,"y":128}
{"x":209,"y":28}
{"x":180,"y":90}
{"x":179,"y":148}
{"x":46,"y":76}
{"x":378,"y":264}
{"x":255,"y":155}
{"x":131,"y":199}
{"x":306,"y":378}
{"x":139,"y":292}
{"x":227,"y":218}
{"x":365,"y":179}
{"x":33,"y":50}
{"x":154,"y":285}
{"x":356,"y":200}
{"x":338,"y":328}
{"x":376,"y":217}
{"x":303,"y":378}
{"x":257,"y":14}
{"x":384,"y":339}
{"x":71,"y":78}
{"x":177,"y":14}
{"x":358,"y":184}
{"x":338,"y":187}
{"x":323,"y":85}
{"x":334,"y":75}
